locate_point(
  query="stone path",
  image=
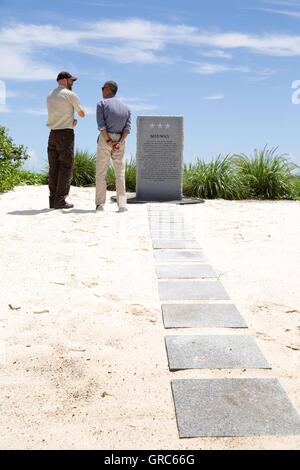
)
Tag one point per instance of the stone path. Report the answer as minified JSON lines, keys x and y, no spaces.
{"x":193,"y":297}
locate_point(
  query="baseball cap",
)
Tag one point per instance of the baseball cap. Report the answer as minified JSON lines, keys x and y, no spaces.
{"x":65,"y":74}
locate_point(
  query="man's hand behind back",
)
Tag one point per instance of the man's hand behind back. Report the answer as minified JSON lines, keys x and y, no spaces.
{"x":117,"y":146}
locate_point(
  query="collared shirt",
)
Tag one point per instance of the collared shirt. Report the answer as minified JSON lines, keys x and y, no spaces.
{"x":113,"y":115}
{"x":61,"y":104}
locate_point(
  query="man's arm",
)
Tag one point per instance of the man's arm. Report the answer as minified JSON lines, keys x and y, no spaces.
{"x":102,"y":125}
{"x":125,"y":133}
{"x":123,"y":137}
{"x":76,"y":104}
{"x":127,"y":128}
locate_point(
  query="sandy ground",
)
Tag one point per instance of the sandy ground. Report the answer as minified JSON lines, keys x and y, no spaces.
{"x":82,"y":356}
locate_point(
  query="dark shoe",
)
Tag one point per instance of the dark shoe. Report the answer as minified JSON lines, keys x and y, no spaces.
{"x":65,"y":206}
{"x":100,"y":208}
{"x":51,"y":202}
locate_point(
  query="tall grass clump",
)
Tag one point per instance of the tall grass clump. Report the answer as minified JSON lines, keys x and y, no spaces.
{"x":130,"y":176}
{"x":213,"y":180}
{"x":295,"y":188}
{"x":267,"y":175}
{"x":84,"y":169}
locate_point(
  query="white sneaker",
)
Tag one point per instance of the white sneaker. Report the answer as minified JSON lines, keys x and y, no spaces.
{"x":99,"y":208}
{"x":122,"y":209}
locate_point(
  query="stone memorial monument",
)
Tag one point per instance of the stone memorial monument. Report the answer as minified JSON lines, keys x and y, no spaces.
{"x":159,"y":158}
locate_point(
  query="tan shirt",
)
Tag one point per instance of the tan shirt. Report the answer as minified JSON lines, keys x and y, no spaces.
{"x":61,"y":104}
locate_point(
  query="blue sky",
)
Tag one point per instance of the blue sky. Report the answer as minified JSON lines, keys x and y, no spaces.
{"x":227,"y":66}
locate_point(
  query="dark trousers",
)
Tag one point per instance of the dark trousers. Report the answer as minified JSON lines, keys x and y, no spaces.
{"x":61,"y":158}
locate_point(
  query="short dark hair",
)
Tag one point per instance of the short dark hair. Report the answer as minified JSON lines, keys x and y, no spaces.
{"x":112,"y":85}
{"x":65,"y":74}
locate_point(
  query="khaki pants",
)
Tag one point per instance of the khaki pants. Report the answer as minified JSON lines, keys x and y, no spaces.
{"x":104,"y":153}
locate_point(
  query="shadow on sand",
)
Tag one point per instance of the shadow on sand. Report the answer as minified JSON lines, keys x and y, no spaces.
{"x":45,"y":211}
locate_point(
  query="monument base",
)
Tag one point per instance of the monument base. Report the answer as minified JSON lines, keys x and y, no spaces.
{"x":131,"y":199}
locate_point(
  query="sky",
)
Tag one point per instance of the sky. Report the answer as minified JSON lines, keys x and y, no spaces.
{"x":231,"y":68}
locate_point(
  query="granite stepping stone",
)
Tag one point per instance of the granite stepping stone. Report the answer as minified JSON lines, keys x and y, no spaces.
{"x":184,"y":244}
{"x":183,"y":271}
{"x":233,"y":408}
{"x":161,"y":207}
{"x":172,"y":224}
{"x":191,"y":290}
{"x":170,"y":213}
{"x":166,"y":217}
{"x":167,"y":226}
{"x":165,"y":256}
{"x":171,"y":235}
{"x":214,"y":352}
{"x":202,"y":316}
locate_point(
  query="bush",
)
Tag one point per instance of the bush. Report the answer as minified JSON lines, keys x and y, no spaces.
{"x":84,"y":172}
{"x":31,"y":178}
{"x":84,"y":169}
{"x":215,"y":179}
{"x":11,"y":159}
{"x":295,"y":188}
{"x":267,"y":175}
{"x":8,"y":175}
{"x":130,"y":176}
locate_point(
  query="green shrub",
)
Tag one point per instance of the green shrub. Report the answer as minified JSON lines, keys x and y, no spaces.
{"x":11,"y":159}
{"x":267,"y":175}
{"x":130,"y":176}
{"x":9,"y":177}
{"x":295,"y":188}
{"x":215,"y":179}
{"x":110,"y":179}
{"x":84,"y":169}
{"x":84,"y":172}
{"x":31,"y":178}
{"x":9,"y":151}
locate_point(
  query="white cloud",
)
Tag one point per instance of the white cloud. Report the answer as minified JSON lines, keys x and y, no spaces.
{"x":218,"y":54}
{"x":33,"y":163}
{"x":143,"y":107}
{"x":19,"y":64}
{"x":36,"y":112}
{"x":264,"y":74}
{"x":89,"y":110}
{"x":127,"y":41}
{"x":138,"y":104}
{"x":211,"y":69}
{"x":295,"y":14}
{"x":11,"y":94}
{"x":214,"y":97}
{"x":34,"y":159}
{"x":290,"y":8}
{"x":4,"y":108}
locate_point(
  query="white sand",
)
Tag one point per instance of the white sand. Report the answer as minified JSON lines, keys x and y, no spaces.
{"x":85,"y":363}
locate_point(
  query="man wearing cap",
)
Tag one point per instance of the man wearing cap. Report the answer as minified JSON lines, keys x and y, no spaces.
{"x":61,"y":104}
{"x":114,"y":124}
